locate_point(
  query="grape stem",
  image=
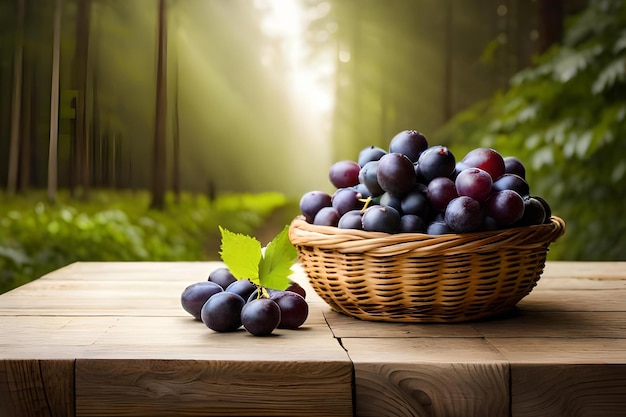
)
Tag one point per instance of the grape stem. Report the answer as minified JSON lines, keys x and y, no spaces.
{"x":262,"y":292}
{"x":367,"y":202}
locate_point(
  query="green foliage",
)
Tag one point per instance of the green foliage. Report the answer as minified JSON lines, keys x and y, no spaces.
{"x":241,"y":254}
{"x":566,"y":118}
{"x":269,"y":267}
{"x":36,"y":237}
{"x":278,"y":258}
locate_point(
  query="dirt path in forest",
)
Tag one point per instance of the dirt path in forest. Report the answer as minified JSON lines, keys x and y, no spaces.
{"x":264,"y":233}
{"x":275,"y":223}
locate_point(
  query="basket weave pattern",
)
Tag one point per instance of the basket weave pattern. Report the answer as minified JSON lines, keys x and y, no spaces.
{"x":412,"y":277}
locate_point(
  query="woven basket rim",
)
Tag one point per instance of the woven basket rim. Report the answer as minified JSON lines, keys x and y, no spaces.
{"x":302,"y":233}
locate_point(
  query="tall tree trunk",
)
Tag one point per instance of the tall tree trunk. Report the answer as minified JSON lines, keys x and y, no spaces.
{"x":92,"y":117}
{"x":28,"y":123}
{"x":158,"y":161}
{"x":176,"y":134}
{"x":448,"y":58}
{"x":109,"y":156}
{"x":550,"y":23}
{"x":14,"y":149}
{"x":80,"y":67}
{"x":34,"y":166}
{"x":176,"y":150}
{"x":54,"y":105}
{"x":96,"y":133}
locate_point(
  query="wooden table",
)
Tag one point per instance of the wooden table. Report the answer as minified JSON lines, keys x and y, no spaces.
{"x":111,"y":339}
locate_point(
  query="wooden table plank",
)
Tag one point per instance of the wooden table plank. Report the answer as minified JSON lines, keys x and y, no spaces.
{"x":550,"y":324}
{"x":568,"y":390}
{"x":597,"y":271}
{"x":211,"y":388}
{"x":134,"y":271}
{"x":530,"y":322}
{"x":123,"y":345}
{"x":50,"y":337}
{"x":583,"y":283}
{"x":116,"y":336}
{"x":575,"y":300}
{"x":428,"y":376}
{"x":36,"y":388}
{"x":564,"y":351}
{"x":348,"y":327}
{"x":564,"y":344}
{"x":89,"y":289}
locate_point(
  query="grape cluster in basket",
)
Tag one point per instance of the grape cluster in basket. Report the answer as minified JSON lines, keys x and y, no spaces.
{"x":416,"y":188}
{"x":224,"y":304}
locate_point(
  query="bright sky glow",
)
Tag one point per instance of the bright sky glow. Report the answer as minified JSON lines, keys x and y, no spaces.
{"x":309,"y":82}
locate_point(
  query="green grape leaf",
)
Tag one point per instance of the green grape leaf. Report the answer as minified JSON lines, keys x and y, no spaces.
{"x":241,"y":254}
{"x":275,"y":265}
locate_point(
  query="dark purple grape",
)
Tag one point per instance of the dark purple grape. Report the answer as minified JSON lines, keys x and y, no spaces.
{"x":436,"y":161}
{"x":513,"y":165}
{"x":487,"y":159}
{"x":261,"y":317}
{"x":534,"y":213}
{"x":343,"y":174}
{"x":351,"y":220}
{"x":195,"y":295}
{"x":388,"y":199}
{"x":312,"y":201}
{"x":458,"y":167}
{"x":381,"y":219}
{"x":464,"y":214}
{"x":474,"y":183}
{"x":418,"y":174}
{"x":294,"y":309}
{"x":410,"y":143}
{"x":422,"y":188}
{"x":362,"y":190}
{"x":439,"y":217}
{"x":416,"y":202}
{"x":346,"y":199}
{"x":438,"y":227}
{"x":258,"y":293}
{"x":546,"y":208}
{"x":440,"y":191}
{"x":327,"y":216}
{"x":242,"y":287}
{"x":297,"y":288}
{"x":222,"y":276}
{"x":489,"y":224}
{"x":375,"y":200}
{"x":410,"y":223}
{"x":368,"y":176}
{"x":505,"y":207}
{"x":396,"y":174}
{"x":511,"y":182}
{"x":371,"y":153}
{"x":222,"y":312}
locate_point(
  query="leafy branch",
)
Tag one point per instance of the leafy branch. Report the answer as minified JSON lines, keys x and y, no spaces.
{"x":268,"y":267}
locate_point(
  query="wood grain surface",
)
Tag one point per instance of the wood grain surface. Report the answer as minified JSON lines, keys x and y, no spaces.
{"x":561,"y":353}
{"x":111,"y":339}
{"x":573,"y":390}
{"x":36,"y":388}
{"x":210,"y":387}
{"x":434,"y":376}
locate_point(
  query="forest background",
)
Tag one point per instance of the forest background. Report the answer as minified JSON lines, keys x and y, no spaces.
{"x":129,"y":130}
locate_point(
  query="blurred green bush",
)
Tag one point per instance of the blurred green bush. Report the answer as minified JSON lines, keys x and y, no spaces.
{"x":566,"y":119}
{"x":37,"y":237}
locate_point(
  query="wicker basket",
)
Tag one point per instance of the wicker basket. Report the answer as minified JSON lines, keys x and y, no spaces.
{"x":412,"y":277}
